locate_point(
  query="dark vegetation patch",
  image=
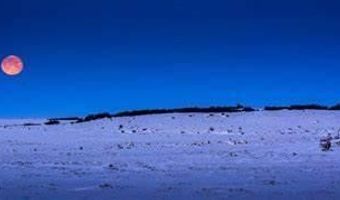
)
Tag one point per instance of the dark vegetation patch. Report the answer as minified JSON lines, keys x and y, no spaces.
{"x":335,"y":107}
{"x":302,"y":107}
{"x":214,"y":109}
{"x":65,"y":119}
{"x":217,"y":109}
{"x":210,"y":110}
{"x":52,"y":122}
{"x":326,"y":143}
{"x":308,"y":107}
{"x":31,"y":124}
{"x":238,"y":108}
{"x":273,"y":108}
{"x":94,"y":117}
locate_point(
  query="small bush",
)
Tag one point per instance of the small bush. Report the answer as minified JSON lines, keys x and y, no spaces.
{"x":95,"y":117}
{"x":325,"y":143}
{"x":31,"y":124}
{"x":52,"y":122}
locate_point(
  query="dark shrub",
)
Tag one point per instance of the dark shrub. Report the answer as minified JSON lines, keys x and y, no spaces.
{"x":95,"y":117}
{"x":272,"y":108}
{"x":52,"y":122}
{"x":335,"y":107}
{"x":325,"y":143}
{"x":66,"y":119}
{"x":297,"y":107}
{"x":248,"y":109}
{"x":31,"y":124}
{"x":308,"y":107}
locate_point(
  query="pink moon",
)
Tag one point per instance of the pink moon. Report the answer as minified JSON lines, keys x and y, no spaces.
{"x":12,"y":65}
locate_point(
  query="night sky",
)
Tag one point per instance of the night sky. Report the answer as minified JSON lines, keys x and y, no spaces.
{"x":85,"y":56}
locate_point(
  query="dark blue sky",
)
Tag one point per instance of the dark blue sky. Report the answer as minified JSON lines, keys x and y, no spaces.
{"x":84,"y":56}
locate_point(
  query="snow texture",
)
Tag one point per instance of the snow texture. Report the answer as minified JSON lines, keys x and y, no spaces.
{"x":253,"y":155}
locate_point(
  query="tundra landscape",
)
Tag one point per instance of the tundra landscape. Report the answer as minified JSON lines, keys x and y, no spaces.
{"x":284,"y":154}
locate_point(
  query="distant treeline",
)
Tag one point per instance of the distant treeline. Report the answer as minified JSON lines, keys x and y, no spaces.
{"x":65,"y":119}
{"x":303,"y":107}
{"x":238,"y":108}
{"x":228,"y":109}
{"x":215,"y":109}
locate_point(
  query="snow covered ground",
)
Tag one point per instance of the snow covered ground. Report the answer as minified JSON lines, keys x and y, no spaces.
{"x":255,"y":155}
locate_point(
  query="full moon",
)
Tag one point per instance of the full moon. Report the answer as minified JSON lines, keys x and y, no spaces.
{"x":12,"y":65}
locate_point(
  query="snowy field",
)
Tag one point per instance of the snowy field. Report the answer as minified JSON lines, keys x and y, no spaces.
{"x":255,"y":155}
